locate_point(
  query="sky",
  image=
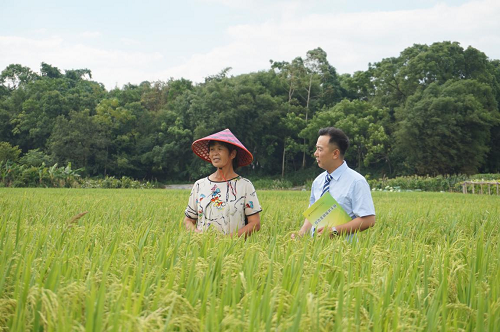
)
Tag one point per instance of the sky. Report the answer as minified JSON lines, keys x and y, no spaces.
{"x":125,"y":41}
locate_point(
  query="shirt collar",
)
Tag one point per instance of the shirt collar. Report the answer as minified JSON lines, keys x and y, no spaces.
{"x":339,"y":171}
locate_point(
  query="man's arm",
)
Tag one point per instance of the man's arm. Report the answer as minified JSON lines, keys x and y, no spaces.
{"x":306,"y":227}
{"x":356,"y":225}
{"x":362,"y":204}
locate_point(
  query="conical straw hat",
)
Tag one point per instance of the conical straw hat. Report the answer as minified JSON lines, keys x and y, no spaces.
{"x":200,"y":147}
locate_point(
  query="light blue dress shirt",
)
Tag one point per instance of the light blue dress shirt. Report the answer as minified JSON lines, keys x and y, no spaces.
{"x":349,"y":188}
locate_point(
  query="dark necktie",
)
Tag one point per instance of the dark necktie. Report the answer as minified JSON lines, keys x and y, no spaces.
{"x":326,"y":186}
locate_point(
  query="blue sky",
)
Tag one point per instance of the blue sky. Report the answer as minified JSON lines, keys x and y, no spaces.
{"x":130,"y":42}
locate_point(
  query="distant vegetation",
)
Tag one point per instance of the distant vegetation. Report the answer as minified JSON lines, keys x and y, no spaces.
{"x":433,"y":110}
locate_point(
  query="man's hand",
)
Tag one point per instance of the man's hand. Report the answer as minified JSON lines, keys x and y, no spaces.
{"x":327,"y":230}
{"x":303,"y":230}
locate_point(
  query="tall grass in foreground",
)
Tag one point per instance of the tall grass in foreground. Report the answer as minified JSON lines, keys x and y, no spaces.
{"x":430,"y":264}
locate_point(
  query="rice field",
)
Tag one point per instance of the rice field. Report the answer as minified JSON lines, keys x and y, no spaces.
{"x":431,"y":263}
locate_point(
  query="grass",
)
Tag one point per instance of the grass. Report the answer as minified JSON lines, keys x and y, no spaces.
{"x":430,"y":264}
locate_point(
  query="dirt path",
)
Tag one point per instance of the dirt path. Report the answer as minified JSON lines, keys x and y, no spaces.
{"x":179,"y":186}
{"x":189,"y":186}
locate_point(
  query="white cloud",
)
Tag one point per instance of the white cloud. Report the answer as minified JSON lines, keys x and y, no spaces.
{"x":39,"y":31}
{"x":111,"y":67}
{"x":199,"y":66}
{"x":275,"y":5}
{"x":90,"y":34}
{"x":129,"y":42}
{"x":351,"y":40}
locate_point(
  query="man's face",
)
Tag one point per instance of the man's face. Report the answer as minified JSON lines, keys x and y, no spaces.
{"x":326,"y":153}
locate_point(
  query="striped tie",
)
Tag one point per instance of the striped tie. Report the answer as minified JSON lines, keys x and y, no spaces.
{"x":326,"y":186}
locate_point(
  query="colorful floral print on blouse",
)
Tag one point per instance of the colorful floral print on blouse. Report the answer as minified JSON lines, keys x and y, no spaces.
{"x":222,"y":206}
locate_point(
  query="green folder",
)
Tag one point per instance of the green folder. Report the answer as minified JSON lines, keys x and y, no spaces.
{"x":326,"y":212}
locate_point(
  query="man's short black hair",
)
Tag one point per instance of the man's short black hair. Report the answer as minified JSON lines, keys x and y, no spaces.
{"x":337,"y":137}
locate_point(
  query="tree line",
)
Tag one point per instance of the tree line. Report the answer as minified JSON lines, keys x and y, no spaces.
{"x":431,"y":110}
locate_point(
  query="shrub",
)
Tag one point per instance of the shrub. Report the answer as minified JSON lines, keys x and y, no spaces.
{"x":451,"y":183}
{"x":110,"y":182}
{"x":271,"y":184}
{"x":9,"y":152}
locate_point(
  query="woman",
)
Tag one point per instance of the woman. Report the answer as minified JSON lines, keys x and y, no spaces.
{"x":223,"y":201}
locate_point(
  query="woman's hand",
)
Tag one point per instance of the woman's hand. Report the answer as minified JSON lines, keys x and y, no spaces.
{"x":191,"y":225}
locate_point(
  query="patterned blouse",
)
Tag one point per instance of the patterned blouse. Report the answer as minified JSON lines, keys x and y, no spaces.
{"x":223,"y":206}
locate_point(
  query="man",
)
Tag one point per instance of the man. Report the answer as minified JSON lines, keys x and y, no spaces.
{"x":349,"y":188}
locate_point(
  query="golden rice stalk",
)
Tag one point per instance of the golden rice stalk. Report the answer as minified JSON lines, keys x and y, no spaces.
{"x":75,"y":218}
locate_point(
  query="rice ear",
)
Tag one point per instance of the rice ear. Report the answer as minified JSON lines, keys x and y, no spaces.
{"x":75,"y":218}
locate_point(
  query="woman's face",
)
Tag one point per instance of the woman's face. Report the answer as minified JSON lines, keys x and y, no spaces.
{"x":220,"y":156}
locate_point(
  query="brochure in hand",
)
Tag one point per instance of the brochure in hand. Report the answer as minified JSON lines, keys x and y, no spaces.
{"x":326,"y":212}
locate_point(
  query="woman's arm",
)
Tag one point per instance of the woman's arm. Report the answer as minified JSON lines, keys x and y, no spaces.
{"x":252,"y":226}
{"x":191,"y":224}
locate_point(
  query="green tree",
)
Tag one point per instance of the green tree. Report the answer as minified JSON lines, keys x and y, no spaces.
{"x":50,"y":71}
{"x":9,"y":152}
{"x":80,"y":140}
{"x":35,"y":158}
{"x":358,"y":86}
{"x":299,"y":85}
{"x":78,"y":74}
{"x":492,"y":164}
{"x":33,"y":125}
{"x":32,"y":109}
{"x":15,"y":76}
{"x":118,"y":126}
{"x":446,"y":128}
{"x":364,"y":125}
{"x":321,"y":84}
{"x":5,"y":125}
{"x":397,"y":79}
